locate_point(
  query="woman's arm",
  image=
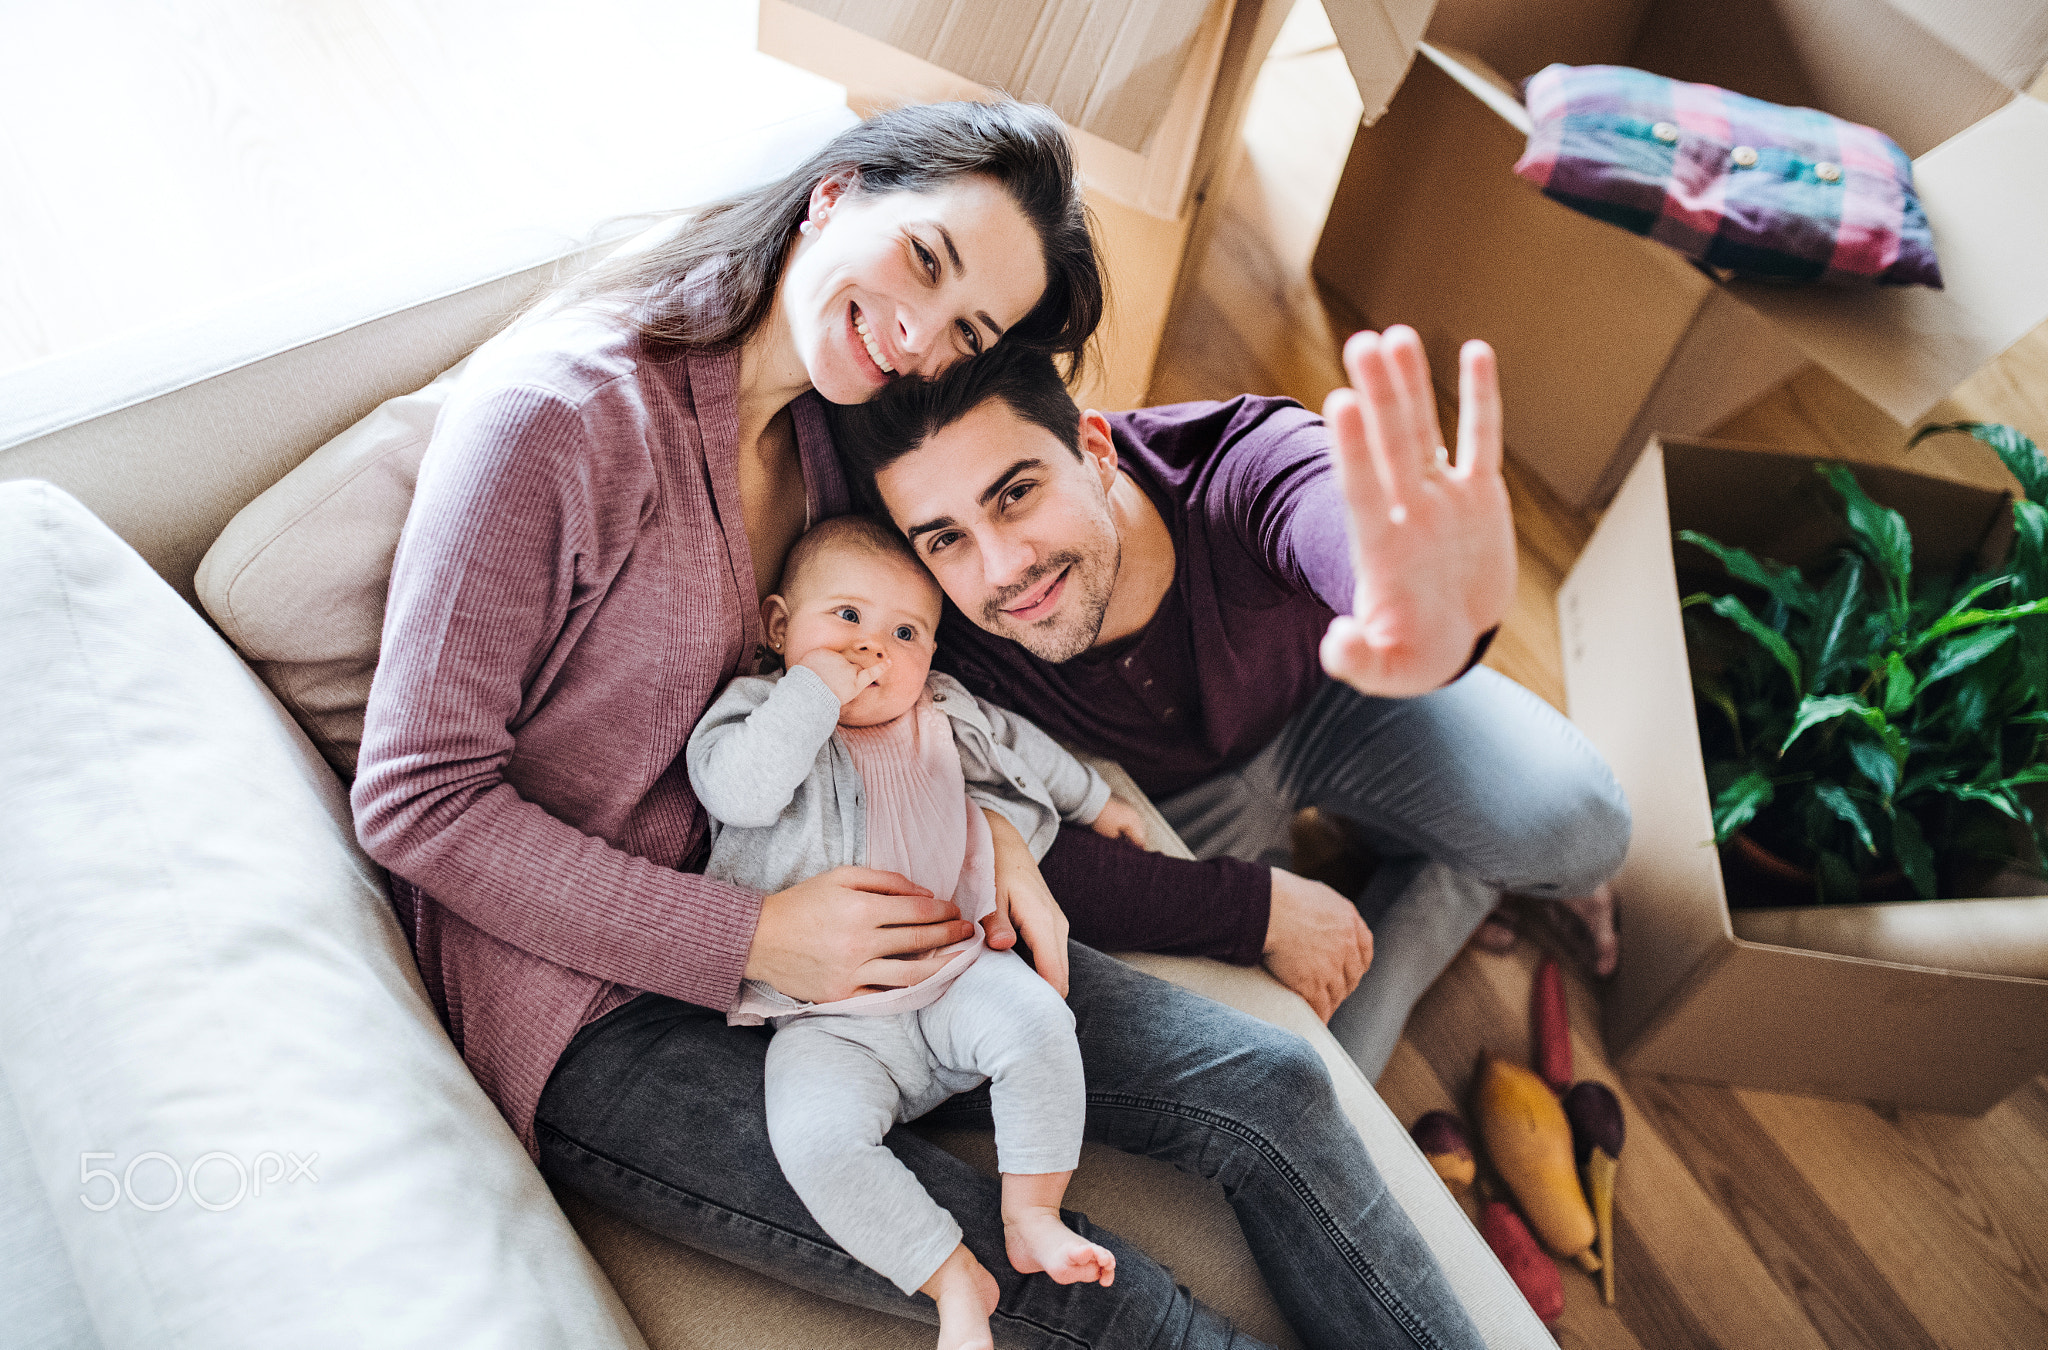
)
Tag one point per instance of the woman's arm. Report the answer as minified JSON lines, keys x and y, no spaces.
{"x":486,"y":578}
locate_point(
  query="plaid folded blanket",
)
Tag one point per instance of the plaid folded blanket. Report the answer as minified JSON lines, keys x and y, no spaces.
{"x":1752,"y":188}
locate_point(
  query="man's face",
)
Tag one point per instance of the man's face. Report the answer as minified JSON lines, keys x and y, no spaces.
{"x":1015,"y":527}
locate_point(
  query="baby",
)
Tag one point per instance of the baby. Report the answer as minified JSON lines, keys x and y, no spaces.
{"x":857,"y":754}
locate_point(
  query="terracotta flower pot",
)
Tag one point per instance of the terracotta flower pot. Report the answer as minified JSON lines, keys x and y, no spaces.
{"x":1757,"y":878}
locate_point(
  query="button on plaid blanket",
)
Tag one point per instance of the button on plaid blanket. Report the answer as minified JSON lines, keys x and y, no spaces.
{"x":1735,"y":183}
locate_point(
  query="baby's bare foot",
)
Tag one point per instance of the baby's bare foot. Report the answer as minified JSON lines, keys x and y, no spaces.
{"x":966,"y":1295}
{"x":1037,"y":1240}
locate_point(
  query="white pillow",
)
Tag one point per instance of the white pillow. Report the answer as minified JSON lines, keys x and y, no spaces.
{"x":199,"y":971}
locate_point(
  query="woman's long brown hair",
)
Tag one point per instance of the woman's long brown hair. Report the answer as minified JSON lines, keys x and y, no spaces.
{"x":714,"y":282}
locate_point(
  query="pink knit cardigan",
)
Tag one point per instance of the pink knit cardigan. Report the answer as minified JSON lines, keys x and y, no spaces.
{"x":572,"y":589}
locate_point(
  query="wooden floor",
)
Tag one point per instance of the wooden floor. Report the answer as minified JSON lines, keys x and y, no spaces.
{"x":1747,"y":1220}
{"x":160,"y":155}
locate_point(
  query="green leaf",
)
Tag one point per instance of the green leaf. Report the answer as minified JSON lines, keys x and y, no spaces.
{"x":1916,"y":859}
{"x":1781,"y":580}
{"x":1882,"y":530}
{"x":1740,"y":801}
{"x":1998,"y":798}
{"x":1731,"y":608}
{"x":1877,"y":765}
{"x":1715,"y":690}
{"x":1960,"y":654}
{"x":1835,"y":615}
{"x":1898,"y":686}
{"x":2033,"y":773}
{"x":2019,"y":454}
{"x":1837,"y":800}
{"x":1973,"y":618}
{"x":1838,"y":881}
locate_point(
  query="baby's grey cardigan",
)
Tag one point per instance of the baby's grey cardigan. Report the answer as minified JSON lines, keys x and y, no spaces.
{"x":786,"y":802}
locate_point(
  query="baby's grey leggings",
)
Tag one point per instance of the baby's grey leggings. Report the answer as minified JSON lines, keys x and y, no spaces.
{"x":837,"y":1084}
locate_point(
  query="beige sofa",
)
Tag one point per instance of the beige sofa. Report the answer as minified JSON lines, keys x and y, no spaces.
{"x":200,"y":977}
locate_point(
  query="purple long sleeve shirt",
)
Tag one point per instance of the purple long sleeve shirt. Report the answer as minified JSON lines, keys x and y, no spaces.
{"x":1262,"y":564}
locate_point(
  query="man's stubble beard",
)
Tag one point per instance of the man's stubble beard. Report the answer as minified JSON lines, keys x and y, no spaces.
{"x":1092,"y":584}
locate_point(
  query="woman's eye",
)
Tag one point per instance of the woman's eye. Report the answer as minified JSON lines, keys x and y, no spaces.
{"x":848,"y":613}
{"x":929,"y":259}
{"x":973,"y":338}
{"x":905,"y":633}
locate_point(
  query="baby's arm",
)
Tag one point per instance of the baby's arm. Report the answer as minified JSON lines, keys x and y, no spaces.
{"x":758,"y":743}
{"x":1079,"y":793}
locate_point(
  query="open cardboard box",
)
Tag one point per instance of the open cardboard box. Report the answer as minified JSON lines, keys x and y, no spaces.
{"x":1154,"y":92}
{"x":1940,"y":1004}
{"x":1606,"y":337}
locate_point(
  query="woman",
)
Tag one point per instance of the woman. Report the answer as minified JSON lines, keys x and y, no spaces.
{"x":607,"y":497}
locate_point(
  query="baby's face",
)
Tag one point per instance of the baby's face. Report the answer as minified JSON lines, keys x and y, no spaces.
{"x":873,"y":609}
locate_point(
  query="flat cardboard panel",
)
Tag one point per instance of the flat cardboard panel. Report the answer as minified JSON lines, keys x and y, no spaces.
{"x":1628,"y":688}
{"x":1583,"y":310}
{"x":877,"y":75}
{"x":1429,"y":227}
{"x":1378,"y":38}
{"x":1108,"y":67}
{"x":1986,"y":937}
{"x":1834,"y":1026}
{"x":1905,"y":347}
{"x":1692,"y":999}
{"x":1518,"y":39}
{"x":1826,"y":54}
{"x":1727,"y":360}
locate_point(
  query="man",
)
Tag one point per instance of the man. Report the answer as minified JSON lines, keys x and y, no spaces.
{"x":1255,"y":610}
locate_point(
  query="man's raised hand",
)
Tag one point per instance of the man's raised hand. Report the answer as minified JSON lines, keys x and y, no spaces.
{"x":1432,"y":539}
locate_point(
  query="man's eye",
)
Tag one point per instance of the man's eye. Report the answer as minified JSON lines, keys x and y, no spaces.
{"x":940,"y":541}
{"x":928,"y":258}
{"x":1018,"y":492}
{"x":905,"y":633}
{"x":848,"y":613}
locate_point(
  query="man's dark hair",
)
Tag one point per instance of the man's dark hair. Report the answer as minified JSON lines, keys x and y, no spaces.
{"x":905,"y":413}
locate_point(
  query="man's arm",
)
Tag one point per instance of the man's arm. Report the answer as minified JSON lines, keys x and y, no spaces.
{"x":1415,"y":555}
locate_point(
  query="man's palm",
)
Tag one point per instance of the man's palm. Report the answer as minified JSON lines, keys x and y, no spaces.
{"x":1432,"y":540}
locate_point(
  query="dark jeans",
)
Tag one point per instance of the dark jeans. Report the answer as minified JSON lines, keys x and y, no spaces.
{"x":655,"y":1113}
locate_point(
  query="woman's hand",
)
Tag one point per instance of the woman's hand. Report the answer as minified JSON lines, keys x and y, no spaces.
{"x":1432,"y":540}
{"x":841,"y":933}
{"x":1316,"y":943}
{"x":1024,"y":905}
{"x":1120,"y":820}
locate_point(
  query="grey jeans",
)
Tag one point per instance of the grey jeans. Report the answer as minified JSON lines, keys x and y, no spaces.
{"x":1478,"y":788}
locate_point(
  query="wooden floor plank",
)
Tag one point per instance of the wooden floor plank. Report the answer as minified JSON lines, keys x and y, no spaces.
{"x":1675,"y":1229}
{"x":1938,"y":1204}
{"x":1734,"y":1158}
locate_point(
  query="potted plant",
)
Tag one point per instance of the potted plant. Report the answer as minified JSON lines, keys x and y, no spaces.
{"x":1871,"y":733}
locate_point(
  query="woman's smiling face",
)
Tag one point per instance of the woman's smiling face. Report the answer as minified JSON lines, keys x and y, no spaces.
{"x":906,"y":283}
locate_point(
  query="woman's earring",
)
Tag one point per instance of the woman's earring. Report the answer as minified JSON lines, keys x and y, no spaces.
{"x":805,"y":227}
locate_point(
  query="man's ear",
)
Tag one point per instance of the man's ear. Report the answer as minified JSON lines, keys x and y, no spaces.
{"x":775,"y":620}
{"x":1098,"y":447}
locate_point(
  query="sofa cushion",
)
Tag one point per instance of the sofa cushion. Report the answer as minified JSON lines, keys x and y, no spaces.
{"x":297,"y":580}
{"x":213,"y":1031}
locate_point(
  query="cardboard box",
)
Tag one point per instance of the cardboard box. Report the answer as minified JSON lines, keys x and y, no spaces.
{"x":1606,"y":337}
{"x":1139,"y":49}
{"x":1936,"y":1004}
{"x":1147,"y":201}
